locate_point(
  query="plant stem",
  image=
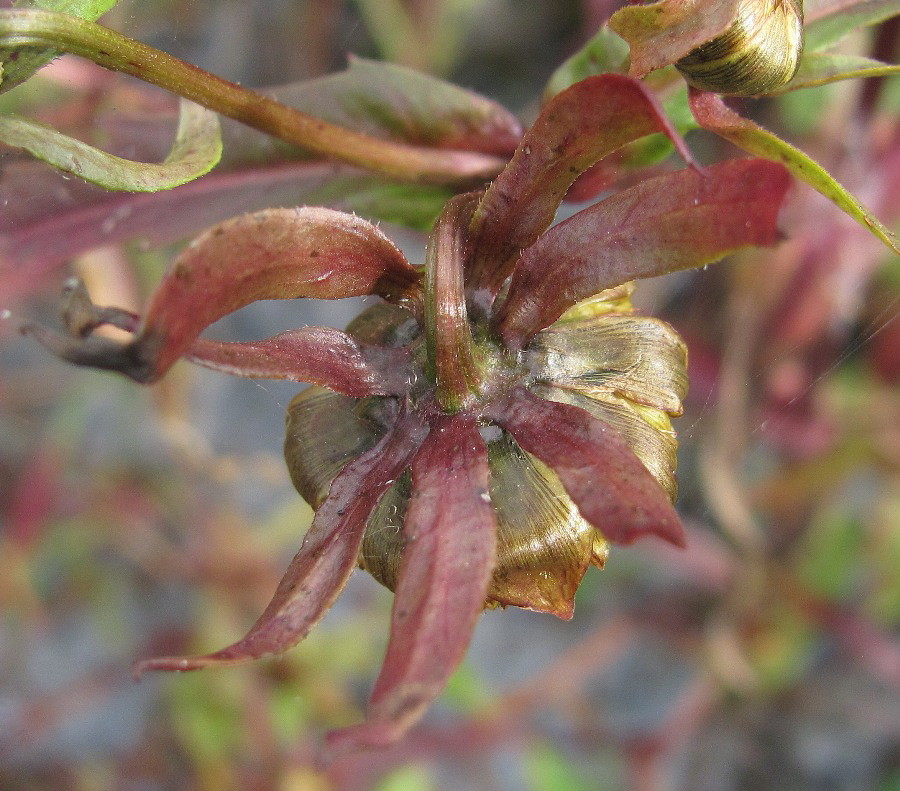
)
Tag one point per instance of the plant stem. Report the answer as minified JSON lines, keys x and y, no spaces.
{"x":36,"y":29}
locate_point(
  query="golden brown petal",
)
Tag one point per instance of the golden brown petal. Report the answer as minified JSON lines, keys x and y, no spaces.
{"x":544,"y":545}
{"x":324,"y":432}
{"x":759,"y":53}
{"x":640,"y":358}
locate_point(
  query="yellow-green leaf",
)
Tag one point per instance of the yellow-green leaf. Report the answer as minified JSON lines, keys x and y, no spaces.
{"x":17,"y":65}
{"x":821,"y":68}
{"x":197,"y":148}
{"x":712,"y":114}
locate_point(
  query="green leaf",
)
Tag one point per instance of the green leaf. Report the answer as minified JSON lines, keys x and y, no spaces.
{"x":17,"y":65}
{"x":606,"y":52}
{"x":827,"y":30}
{"x":820,"y":68}
{"x":196,"y":151}
{"x":712,"y":114}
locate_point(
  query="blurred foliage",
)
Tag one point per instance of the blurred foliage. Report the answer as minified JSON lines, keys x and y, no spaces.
{"x":767,"y":656}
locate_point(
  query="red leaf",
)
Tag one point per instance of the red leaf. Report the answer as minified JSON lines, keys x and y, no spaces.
{"x":449,"y":555}
{"x":274,"y":254}
{"x":677,"y":221}
{"x":318,"y":355}
{"x":328,"y":555}
{"x":575,"y":129}
{"x":611,"y":487}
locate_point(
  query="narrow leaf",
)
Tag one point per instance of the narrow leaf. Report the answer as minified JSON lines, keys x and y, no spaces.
{"x":820,"y":68}
{"x":328,"y":555}
{"x":197,"y":149}
{"x":318,"y":355}
{"x":448,"y":558}
{"x":18,"y":64}
{"x":712,"y":114}
{"x":608,"y":483}
{"x":275,"y":254}
{"x":575,"y":129}
{"x":828,"y":26}
{"x":662,"y":33}
{"x":676,"y":221}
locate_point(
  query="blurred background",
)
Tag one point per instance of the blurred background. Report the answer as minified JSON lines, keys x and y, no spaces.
{"x":138,"y":521}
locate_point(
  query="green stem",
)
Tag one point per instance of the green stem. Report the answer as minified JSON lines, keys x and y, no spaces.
{"x":451,"y":349}
{"x":46,"y":30}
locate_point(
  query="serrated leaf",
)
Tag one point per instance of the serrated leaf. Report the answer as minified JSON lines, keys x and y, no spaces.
{"x":713,"y":114}
{"x":821,"y":68}
{"x":197,"y":149}
{"x":17,"y":65}
{"x":827,"y":29}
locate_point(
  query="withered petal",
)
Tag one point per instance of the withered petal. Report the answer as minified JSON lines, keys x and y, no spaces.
{"x":319,"y":355}
{"x":450,"y":538}
{"x":544,"y":544}
{"x":328,"y":555}
{"x":638,"y":357}
{"x":611,"y":487}
{"x":325,"y":431}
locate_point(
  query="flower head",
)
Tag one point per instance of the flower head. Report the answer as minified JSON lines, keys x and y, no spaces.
{"x":480,"y":436}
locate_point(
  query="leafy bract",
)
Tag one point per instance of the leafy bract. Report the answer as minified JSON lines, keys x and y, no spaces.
{"x":662,"y":33}
{"x":713,"y":114}
{"x":196,"y":150}
{"x":611,"y":487}
{"x":575,"y":129}
{"x":676,"y":221}
{"x":17,"y":64}
{"x":821,"y":68}
{"x":317,"y":355}
{"x":829,"y":25}
{"x":450,"y":535}
{"x":275,"y":254}
{"x":327,"y":557}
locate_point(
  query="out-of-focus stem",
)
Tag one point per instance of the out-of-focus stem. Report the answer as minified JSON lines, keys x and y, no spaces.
{"x":45,"y":30}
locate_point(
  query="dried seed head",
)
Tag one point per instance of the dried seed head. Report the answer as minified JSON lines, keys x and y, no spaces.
{"x":626,"y":370}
